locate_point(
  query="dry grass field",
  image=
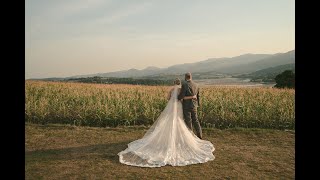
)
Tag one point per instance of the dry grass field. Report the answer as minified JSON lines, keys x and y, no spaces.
{"x":73,"y":152}
{"x":102,"y":105}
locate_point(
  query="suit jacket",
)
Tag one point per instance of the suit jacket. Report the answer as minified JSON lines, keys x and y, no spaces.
{"x":189,"y":88}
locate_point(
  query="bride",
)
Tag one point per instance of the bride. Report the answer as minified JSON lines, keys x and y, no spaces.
{"x":168,"y":141}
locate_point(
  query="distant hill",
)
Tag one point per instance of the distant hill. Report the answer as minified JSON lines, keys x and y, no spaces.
{"x":126,"y":73}
{"x":215,"y":64}
{"x":272,"y":61}
{"x":242,"y":64}
{"x":48,"y":79}
{"x":273,"y":71}
{"x":267,"y":74}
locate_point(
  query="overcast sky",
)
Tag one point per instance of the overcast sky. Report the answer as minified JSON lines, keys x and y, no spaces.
{"x":76,"y":37}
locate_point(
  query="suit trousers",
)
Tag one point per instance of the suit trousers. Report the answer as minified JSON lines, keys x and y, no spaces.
{"x":191,"y":118}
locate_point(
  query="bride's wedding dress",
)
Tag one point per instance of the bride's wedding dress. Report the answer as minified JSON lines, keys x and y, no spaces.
{"x":168,"y":142}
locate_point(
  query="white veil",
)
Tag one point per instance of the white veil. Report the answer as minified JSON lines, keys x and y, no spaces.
{"x":168,"y":141}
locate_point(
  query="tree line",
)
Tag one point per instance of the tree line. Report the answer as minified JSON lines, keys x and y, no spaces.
{"x":112,"y":80}
{"x":284,"y":80}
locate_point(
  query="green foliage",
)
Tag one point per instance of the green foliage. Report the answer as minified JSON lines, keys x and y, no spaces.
{"x":285,"y":79}
{"x":112,"y":80}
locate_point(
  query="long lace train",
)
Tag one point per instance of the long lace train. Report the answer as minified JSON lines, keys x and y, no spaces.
{"x":168,"y":142}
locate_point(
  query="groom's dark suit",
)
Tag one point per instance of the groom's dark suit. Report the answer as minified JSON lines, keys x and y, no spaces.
{"x":190,"y":88}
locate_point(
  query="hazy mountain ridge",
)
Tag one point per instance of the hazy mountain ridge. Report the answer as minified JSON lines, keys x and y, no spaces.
{"x":272,"y":71}
{"x":243,"y":64}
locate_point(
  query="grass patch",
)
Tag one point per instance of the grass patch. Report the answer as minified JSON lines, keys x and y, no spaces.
{"x":71,"y":152}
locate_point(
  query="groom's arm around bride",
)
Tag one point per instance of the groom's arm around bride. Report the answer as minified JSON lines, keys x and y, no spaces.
{"x":190,"y":88}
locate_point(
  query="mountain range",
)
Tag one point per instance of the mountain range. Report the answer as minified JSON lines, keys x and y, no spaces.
{"x":243,"y":64}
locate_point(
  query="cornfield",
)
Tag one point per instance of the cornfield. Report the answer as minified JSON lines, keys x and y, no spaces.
{"x":103,"y":105}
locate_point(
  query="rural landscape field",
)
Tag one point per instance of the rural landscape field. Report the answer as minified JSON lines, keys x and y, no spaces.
{"x":75,"y":130}
{"x":98,"y":75}
{"x":103,"y":105}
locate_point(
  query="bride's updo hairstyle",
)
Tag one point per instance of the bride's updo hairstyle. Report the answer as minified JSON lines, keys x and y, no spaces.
{"x":177,"y":81}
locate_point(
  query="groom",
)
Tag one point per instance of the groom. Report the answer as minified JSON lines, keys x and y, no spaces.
{"x":190,"y":88}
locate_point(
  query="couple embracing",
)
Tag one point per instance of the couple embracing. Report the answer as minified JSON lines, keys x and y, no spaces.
{"x":170,"y":140}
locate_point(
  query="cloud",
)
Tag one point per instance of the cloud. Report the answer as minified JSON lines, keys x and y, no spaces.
{"x":123,"y":13}
{"x":78,"y":18}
